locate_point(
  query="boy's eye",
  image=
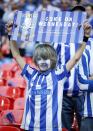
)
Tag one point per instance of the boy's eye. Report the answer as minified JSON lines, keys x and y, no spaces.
{"x":38,"y":59}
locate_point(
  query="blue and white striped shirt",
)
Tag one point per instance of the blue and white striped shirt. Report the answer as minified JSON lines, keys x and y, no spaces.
{"x":43,"y":99}
{"x":65,"y":52}
{"x":85,"y":84}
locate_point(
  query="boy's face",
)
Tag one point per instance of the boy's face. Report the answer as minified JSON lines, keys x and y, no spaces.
{"x":43,"y":64}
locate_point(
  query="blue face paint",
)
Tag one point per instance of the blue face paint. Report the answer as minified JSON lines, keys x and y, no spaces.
{"x":43,"y":64}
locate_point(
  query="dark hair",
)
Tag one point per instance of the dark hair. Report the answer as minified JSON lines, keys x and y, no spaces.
{"x":78,"y":8}
{"x":45,"y":51}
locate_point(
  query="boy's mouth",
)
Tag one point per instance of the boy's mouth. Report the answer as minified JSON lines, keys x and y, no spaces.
{"x":44,"y":64}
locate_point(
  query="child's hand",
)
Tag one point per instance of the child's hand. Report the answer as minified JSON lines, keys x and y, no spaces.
{"x":91,"y":77}
{"x":9,"y":27}
{"x":87,"y":29}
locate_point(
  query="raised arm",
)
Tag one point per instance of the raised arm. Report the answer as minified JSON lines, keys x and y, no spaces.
{"x":16,"y":54}
{"x":70,"y":64}
{"x":14,"y":49}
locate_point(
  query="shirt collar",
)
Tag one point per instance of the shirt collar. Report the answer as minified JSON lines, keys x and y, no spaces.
{"x":45,"y":72}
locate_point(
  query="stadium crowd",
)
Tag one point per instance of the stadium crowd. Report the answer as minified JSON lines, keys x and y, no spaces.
{"x":73,"y":98}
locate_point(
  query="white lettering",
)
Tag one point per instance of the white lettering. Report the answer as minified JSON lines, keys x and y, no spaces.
{"x":68,"y":19}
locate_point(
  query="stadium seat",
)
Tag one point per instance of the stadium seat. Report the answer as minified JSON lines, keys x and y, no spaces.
{"x":9,"y":66}
{"x":11,"y":92}
{"x":9,"y":128}
{"x":6,"y":74}
{"x":11,"y":117}
{"x":18,"y":73}
{"x":64,"y":129}
{"x":8,"y":70}
{"x":19,"y":103}
{"x":18,"y":81}
{"x":5,"y":48}
{"x":30,"y":61}
{"x":2,"y":82}
{"x":4,"y":103}
{"x":3,"y":90}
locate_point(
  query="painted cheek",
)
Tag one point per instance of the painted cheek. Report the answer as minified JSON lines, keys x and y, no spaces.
{"x":48,"y":63}
{"x":39,"y":62}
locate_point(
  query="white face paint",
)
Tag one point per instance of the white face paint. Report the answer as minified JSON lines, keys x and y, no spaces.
{"x":43,"y":65}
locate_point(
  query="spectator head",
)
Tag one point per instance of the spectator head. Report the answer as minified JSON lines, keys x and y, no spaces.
{"x":89,"y":10}
{"x":46,"y":2}
{"x":65,"y":4}
{"x":74,"y":3}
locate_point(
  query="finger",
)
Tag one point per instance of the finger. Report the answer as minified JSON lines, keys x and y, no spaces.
{"x":87,"y":26}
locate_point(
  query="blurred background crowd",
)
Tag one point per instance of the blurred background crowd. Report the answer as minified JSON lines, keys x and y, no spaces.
{"x":12,"y":99}
{"x":8,"y":7}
